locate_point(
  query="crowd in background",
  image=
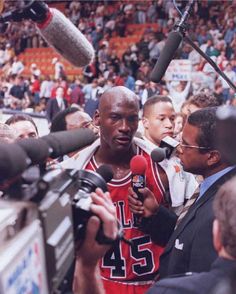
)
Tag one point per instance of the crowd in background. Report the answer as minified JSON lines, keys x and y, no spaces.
{"x":211,"y":27}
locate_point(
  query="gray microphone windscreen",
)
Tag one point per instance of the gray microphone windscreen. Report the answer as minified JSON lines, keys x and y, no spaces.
{"x":63,"y":35}
{"x":158,"y":154}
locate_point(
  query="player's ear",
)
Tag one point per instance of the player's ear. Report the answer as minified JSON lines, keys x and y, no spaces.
{"x":96,"y":118}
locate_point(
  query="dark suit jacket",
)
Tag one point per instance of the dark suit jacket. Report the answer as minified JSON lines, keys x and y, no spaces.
{"x":190,"y":246}
{"x":223,"y":272}
{"x":53,"y":108}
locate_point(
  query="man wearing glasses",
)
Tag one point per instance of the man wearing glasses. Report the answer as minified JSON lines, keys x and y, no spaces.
{"x":189,"y":245}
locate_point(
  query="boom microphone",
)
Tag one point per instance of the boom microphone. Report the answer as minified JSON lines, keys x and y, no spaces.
{"x":171,"y":46}
{"x":138,"y":166}
{"x":65,"y":142}
{"x":56,"y":29}
{"x":167,"y":53}
{"x":62,"y":34}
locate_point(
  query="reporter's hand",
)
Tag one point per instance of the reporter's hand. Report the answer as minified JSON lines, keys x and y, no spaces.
{"x":90,"y":251}
{"x":87,"y":276}
{"x":149,"y":205}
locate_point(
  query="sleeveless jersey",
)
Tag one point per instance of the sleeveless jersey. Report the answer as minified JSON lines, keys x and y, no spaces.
{"x":139,"y":262}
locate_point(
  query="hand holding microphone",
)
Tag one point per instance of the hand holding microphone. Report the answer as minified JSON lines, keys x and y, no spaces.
{"x":138,"y":166}
{"x":142,"y":201}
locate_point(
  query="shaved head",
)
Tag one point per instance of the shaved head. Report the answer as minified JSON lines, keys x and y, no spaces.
{"x":116,"y":95}
{"x":117,"y":117}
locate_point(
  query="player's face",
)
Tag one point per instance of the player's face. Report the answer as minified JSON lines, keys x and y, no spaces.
{"x":118,"y":123}
{"x":159,"y":122}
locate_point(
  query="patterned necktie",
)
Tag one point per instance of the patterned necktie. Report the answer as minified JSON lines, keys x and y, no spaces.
{"x":187,"y":205}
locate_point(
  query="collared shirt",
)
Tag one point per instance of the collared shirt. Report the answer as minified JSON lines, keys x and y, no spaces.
{"x":209,"y":181}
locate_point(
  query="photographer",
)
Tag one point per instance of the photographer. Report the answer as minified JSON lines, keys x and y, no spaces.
{"x":87,"y":273}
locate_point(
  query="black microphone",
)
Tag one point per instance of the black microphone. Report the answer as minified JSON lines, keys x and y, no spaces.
{"x":106,"y":172}
{"x":13,"y":160}
{"x":65,"y":142}
{"x":167,"y":146}
{"x":36,"y":149}
{"x":173,"y":41}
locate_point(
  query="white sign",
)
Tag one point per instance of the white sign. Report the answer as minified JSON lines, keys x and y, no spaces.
{"x":179,"y":70}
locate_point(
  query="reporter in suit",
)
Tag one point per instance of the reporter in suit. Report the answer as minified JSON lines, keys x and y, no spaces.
{"x":56,"y":104}
{"x":222,"y":275}
{"x":190,"y":246}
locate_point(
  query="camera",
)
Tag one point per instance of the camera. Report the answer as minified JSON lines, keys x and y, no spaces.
{"x":38,"y":233}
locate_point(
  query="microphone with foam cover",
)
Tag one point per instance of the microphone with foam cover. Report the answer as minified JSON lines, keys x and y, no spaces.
{"x":167,"y":54}
{"x":106,"y":172}
{"x":158,"y":154}
{"x":13,"y":160}
{"x":138,"y":166}
{"x":167,"y":146}
{"x":65,"y":142}
{"x":59,"y":32}
{"x":36,"y":149}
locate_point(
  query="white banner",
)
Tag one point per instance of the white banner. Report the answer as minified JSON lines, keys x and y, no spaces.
{"x":179,"y":70}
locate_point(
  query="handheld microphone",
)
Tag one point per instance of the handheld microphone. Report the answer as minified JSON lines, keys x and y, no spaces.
{"x":138,"y":166}
{"x":167,"y":146}
{"x":57,"y":30}
{"x":172,"y":44}
{"x":65,"y":142}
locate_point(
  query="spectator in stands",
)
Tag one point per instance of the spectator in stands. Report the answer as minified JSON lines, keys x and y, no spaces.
{"x":178,"y":91}
{"x":18,"y":94}
{"x":226,"y":88}
{"x":17,"y":66}
{"x":77,"y":95}
{"x":24,"y":126}
{"x":180,"y":119}
{"x":58,"y":68}
{"x":46,"y":88}
{"x":9,"y":53}
{"x":229,"y":35}
{"x":201,"y":100}
{"x":70,"y":118}
{"x":57,"y":104}
{"x":35,"y":71}
{"x":92,"y":93}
